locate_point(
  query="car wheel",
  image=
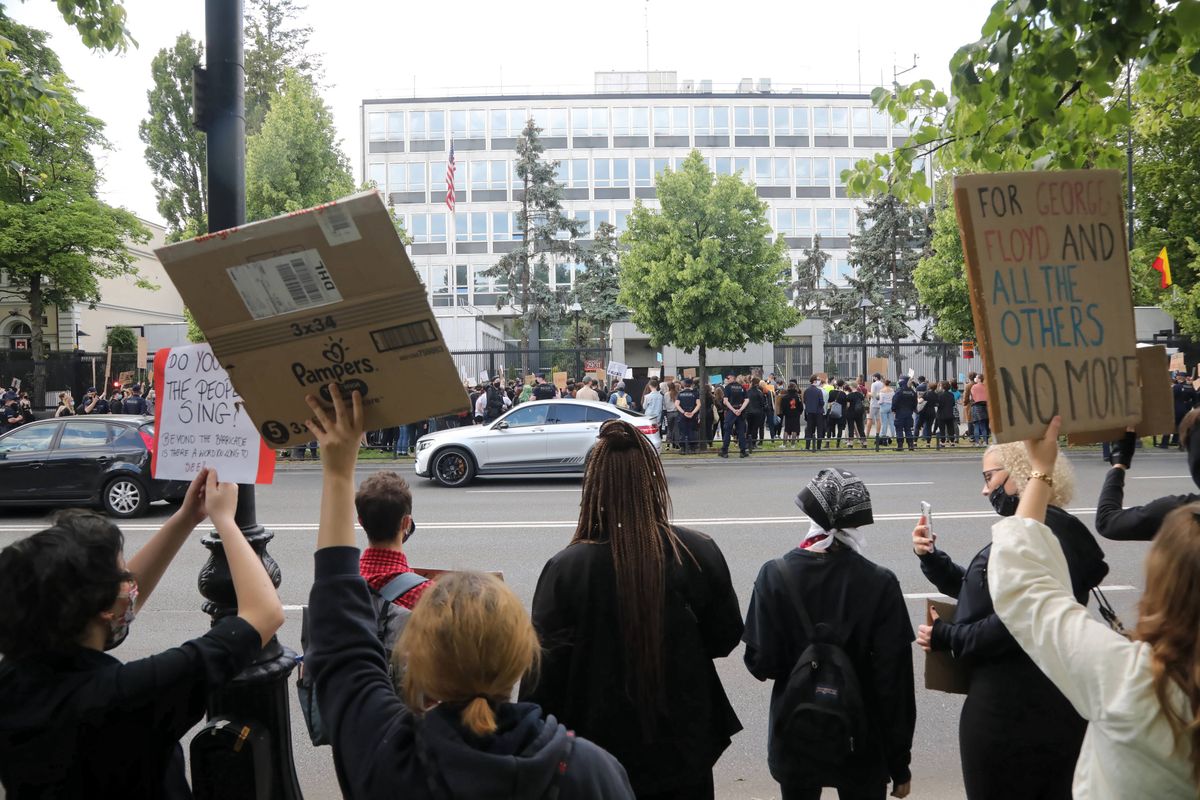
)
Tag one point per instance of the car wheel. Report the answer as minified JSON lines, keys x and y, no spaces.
{"x":124,"y":497}
{"x":453,"y":467}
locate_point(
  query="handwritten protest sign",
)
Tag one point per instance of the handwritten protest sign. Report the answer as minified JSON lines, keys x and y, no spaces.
{"x":1048,"y":274}
{"x":1177,"y":362}
{"x":560,"y":380}
{"x":1158,"y":404}
{"x":878,"y":366}
{"x":200,"y":421}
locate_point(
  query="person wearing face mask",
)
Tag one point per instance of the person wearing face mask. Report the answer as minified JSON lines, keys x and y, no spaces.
{"x":384,"y":506}
{"x":76,"y":722}
{"x":1018,"y":734}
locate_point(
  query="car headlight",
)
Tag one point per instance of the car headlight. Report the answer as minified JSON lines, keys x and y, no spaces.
{"x":423,"y":445}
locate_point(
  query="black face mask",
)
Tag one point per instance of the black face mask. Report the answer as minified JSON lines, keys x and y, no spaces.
{"x":1003,"y":503}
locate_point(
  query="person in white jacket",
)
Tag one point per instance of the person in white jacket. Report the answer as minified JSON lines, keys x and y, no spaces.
{"x":1140,"y":695}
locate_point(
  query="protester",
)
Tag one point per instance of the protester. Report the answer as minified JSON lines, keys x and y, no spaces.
{"x":856,"y":401}
{"x":904,"y":409}
{"x":814,"y":413}
{"x":543,"y":390}
{"x":76,"y":722}
{"x":944,"y":404}
{"x":383,"y":504}
{"x":1113,"y":521}
{"x":714,"y":409}
{"x":887,"y":427}
{"x":835,"y":412}
{"x":874,"y":420}
{"x":979,"y":411}
{"x":652,"y":403}
{"x":621,"y":398}
{"x":1140,"y":695}
{"x":467,"y":642}
{"x":791,"y":408}
{"x":66,"y":405}
{"x":670,"y":413}
{"x":588,"y":392}
{"x":1018,"y":735}
{"x":495,"y":401}
{"x":756,"y":414}
{"x":826,"y":588}
{"x":631,"y":615}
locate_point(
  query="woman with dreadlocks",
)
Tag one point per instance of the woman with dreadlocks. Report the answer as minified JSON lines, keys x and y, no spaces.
{"x":631,"y":615}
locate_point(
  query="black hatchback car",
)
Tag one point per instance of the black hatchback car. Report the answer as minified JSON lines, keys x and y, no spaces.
{"x":101,"y":460}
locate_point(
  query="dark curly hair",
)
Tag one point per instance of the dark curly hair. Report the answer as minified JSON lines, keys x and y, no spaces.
{"x":53,"y":582}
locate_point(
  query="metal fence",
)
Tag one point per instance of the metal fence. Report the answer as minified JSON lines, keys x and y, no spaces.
{"x":935,"y":360}
{"x":794,"y":361}
{"x":72,"y":371}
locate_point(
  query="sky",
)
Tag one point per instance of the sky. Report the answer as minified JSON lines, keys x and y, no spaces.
{"x":377,"y":48}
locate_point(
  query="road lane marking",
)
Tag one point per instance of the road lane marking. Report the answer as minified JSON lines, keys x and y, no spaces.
{"x":522,"y":491}
{"x":571,"y":523}
{"x":1156,"y":477}
{"x":939,"y":595}
{"x":908,"y":483}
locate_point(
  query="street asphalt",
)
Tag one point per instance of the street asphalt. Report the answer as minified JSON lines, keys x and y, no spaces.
{"x":746,"y":505}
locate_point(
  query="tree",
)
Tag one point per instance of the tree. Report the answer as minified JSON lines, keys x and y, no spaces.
{"x":548,"y":235}
{"x":705,"y":271}
{"x":891,"y":238}
{"x":175,"y":149}
{"x":121,"y":339}
{"x":274,"y":45}
{"x":810,"y":271}
{"x":57,"y":240}
{"x":28,"y":88}
{"x":1043,"y":88}
{"x":941,"y":280}
{"x":598,"y":287}
{"x":295,"y":161}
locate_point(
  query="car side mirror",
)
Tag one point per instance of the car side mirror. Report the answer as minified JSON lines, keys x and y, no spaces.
{"x":501,"y":426}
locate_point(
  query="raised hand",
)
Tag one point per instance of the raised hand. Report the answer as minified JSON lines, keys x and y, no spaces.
{"x":339,"y":433}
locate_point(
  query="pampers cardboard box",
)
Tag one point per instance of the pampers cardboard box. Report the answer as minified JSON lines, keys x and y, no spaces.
{"x":324,"y":295}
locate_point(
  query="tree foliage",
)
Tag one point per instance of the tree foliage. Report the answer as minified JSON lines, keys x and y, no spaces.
{"x":1042,"y":88}
{"x":705,"y":272}
{"x":274,"y":45}
{"x":941,"y":280}
{"x":598,"y":287}
{"x":57,"y":240}
{"x":807,"y":290}
{"x":175,"y":149}
{"x":121,"y":339}
{"x":29,"y":85}
{"x":548,"y":236}
{"x":295,"y":161}
{"x":892,"y":236}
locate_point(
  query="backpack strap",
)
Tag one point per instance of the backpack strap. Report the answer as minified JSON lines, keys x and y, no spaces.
{"x":402,"y":584}
{"x":797,"y":599}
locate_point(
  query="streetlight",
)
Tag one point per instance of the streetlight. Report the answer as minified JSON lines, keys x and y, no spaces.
{"x":575,"y":309}
{"x":864,"y":304}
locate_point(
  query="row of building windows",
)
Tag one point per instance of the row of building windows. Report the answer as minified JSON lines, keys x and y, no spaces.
{"x":741,"y":120}
{"x":502,"y":226}
{"x":604,"y":173}
{"x":471,"y":286}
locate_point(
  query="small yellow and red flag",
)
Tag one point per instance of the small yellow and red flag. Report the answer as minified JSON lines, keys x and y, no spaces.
{"x":1162,"y":265}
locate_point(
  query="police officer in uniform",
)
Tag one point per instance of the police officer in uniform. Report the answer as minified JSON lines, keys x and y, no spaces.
{"x":135,"y":403}
{"x":736,"y":401}
{"x":687,"y":402}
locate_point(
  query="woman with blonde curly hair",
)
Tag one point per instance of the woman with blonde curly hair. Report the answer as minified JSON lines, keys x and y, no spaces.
{"x":1018,"y":735}
{"x":1140,"y":695}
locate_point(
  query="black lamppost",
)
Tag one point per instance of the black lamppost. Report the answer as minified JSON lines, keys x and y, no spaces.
{"x":576,"y":309}
{"x":257,"y":698}
{"x":864,"y":304}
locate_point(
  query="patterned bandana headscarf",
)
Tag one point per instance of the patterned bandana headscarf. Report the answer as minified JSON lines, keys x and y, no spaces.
{"x":838,"y":503}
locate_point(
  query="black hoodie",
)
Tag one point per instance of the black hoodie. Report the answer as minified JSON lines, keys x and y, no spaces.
{"x":382,"y":750}
{"x":1141,"y":523}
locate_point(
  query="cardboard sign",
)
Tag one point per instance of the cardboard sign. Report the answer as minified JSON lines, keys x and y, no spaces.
{"x":878,"y":365}
{"x":1177,"y":362}
{"x":126,"y":379}
{"x":142,"y":354}
{"x":325,"y":295}
{"x":943,"y":672}
{"x":715,"y":380}
{"x":560,"y":380}
{"x":1158,"y":404}
{"x":1048,"y":276}
{"x":616,"y":369}
{"x":200,"y":421}
{"x":653,"y":372}
{"x":689,"y":372}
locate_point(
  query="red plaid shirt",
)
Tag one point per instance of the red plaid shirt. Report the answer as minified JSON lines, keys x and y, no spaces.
{"x":379,"y":566}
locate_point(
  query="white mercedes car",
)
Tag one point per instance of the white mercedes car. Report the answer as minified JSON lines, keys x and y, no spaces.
{"x":542,"y":437}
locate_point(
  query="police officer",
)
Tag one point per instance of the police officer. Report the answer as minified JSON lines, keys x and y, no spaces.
{"x":687,"y":403}
{"x":736,"y":401}
{"x":135,"y":403}
{"x":92,"y":403}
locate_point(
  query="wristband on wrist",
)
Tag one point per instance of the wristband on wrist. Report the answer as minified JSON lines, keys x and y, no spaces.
{"x":1037,"y":474}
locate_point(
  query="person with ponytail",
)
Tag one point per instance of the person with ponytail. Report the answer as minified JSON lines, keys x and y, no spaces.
{"x":632,"y":614}
{"x":1140,"y":695}
{"x":74,"y":720}
{"x":451,"y":732}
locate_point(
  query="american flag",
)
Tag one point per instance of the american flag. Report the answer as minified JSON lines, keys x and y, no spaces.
{"x":450,"y":168}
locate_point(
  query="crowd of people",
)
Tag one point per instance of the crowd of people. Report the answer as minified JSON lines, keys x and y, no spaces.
{"x":613,"y":667}
{"x":16,"y":408}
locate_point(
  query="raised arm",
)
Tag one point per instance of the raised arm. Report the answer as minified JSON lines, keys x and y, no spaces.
{"x":338,"y":437}
{"x":150,"y":562}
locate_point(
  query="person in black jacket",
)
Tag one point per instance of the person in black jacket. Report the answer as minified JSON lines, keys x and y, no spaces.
{"x":631,"y":615}
{"x":455,"y":735}
{"x":76,"y":722}
{"x":859,"y":604}
{"x":814,"y":414}
{"x":904,"y":406}
{"x":1140,"y":523}
{"x":944,"y":402}
{"x":1018,"y":735}
{"x":756,"y":414}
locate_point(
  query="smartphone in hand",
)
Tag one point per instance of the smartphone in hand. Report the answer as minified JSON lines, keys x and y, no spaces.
{"x":927,"y":513}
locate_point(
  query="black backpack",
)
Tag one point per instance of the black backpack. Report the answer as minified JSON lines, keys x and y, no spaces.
{"x":822,"y":717}
{"x":495,"y":400}
{"x":390,"y":620}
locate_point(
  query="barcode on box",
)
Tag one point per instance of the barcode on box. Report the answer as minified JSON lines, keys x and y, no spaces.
{"x":337,"y":226}
{"x":401,"y":336}
{"x":286,"y":283}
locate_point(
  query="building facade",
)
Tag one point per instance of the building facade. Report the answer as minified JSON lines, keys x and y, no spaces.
{"x":610,"y":145}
